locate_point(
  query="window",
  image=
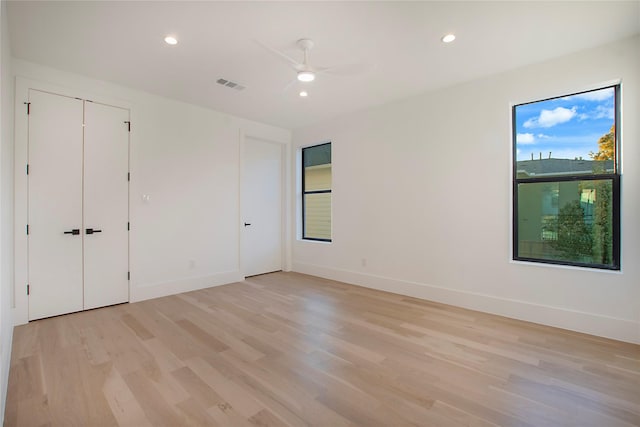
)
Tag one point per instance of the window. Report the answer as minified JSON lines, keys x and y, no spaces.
{"x":566,"y":180}
{"x":316,"y":192}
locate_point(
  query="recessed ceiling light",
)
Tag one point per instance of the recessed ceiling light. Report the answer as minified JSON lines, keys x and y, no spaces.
{"x":171,"y":40}
{"x":448,"y":38}
{"x":304,"y":94}
{"x":306,"y":76}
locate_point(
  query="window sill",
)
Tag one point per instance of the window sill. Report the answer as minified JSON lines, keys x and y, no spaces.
{"x":326,"y":242}
{"x":566,"y":267}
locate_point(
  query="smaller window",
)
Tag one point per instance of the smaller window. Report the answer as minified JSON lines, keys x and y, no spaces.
{"x":316,"y":192}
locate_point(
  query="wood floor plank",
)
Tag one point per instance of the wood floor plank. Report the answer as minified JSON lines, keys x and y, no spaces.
{"x":231,"y":392}
{"x":197,"y":388}
{"x":195,"y":415}
{"x":168,"y":386}
{"x":286,"y":349}
{"x":136,"y":327}
{"x":287,"y":392}
{"x":25,"y":341}
{"x":266,"y":418}
{"x":27,"y":374}
{"x":33,"y":411}
{"x":163,"y":357}
{"x":156,"y":409}
{"x":123,"y":404}
{"x":201,"y":335}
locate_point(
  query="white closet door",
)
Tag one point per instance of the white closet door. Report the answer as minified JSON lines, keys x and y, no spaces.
{"x":55,"y":205}
{"x":261,"y":207}
{"x":106,"y":205}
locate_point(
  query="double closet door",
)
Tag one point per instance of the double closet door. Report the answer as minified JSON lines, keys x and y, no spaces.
{"x":78,"y":187}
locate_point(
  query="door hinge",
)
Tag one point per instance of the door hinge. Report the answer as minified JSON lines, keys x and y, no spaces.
{"x":27,"y":168}
{"x":128,"y":226}
{"x":128,"y":275}
{"x":28,"y":290}
{"x":27,"y":229}
{"x":128,"y":176}
{"x":28,"y":104}
{"x":128,"y":125}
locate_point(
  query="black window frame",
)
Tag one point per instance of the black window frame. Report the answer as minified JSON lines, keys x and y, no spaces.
{"x":304,"y":193}
{"x":614,"y":177}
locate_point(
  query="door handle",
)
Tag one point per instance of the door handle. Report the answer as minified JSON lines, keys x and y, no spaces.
{"x":91,"y":231}
{"x":246,"y":223}
{"x":75,"y":231}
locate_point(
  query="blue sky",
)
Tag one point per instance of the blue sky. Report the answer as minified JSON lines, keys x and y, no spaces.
{"x":568,"y":126}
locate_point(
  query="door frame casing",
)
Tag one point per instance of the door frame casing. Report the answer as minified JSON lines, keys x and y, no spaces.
{"x":19,"y":298}
{"x":285,"y":220}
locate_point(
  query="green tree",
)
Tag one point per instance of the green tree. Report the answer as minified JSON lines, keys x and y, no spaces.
{"x":603,"y":220}
{"x":603,"y":223}
{"x":575,"y":238}
{"x":606,"y":146}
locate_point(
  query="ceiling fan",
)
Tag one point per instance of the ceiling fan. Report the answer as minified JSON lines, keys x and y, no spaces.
{"x":305,"y":72}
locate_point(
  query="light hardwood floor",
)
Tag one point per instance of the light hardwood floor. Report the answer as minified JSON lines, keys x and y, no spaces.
{"x":286,"y":349}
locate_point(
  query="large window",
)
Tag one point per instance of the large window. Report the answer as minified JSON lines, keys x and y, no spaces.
{"x":566,"y":180}
{"x":316,"y":192}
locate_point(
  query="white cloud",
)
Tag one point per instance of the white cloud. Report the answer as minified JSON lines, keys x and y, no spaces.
{"x":600,"y":112}
{"x":542,"y":136}
{"x":603,"y":112}
{"x":549,"y":118}
{"x":525,"y":138}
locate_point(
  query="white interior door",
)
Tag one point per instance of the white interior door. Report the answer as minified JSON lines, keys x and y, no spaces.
{"x":106,"y":205}
{"x":55,"y":205}
{"x":262,"y":207}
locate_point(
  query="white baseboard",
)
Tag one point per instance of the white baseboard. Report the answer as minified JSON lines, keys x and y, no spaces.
{"x":157,"y":290}
{"x":5,"y":359}
{"x":594,"y":324}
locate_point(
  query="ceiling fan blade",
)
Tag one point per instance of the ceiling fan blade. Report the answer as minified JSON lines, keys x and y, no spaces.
{"x":346,"y":69}
{"x":289,"y":85}
{"x":279,"y":54}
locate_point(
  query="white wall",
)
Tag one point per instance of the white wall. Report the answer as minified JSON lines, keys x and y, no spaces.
{"x":186,"y":159}
{"x":6,"y":205}
{"x":422,"y":196}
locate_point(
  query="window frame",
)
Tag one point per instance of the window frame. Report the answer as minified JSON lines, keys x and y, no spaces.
{"x":614,"y":177}
{"x":304,"y":193}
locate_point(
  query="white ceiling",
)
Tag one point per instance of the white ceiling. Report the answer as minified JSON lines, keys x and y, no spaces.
{"x":122,"y":42}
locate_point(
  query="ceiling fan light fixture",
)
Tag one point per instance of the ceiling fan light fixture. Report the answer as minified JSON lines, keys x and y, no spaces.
{"x":306,"y":76}
{"x":171,"y":40}
{"x":448,"y":38}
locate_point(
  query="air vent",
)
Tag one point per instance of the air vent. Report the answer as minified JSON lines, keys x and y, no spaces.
{"x":230,"y":84}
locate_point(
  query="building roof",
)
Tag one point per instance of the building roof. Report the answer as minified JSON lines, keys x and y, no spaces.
{"x":541,"y":167}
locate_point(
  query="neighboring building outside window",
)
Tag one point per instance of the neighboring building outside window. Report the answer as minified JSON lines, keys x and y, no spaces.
{"x":316,"y":192}
{"x":566,"y":180}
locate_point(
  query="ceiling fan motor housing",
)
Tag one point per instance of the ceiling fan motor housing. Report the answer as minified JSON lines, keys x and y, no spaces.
{"x":305,"y":44}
